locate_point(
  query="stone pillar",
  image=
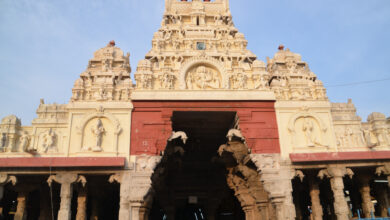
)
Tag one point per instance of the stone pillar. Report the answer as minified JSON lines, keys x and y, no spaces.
{"x":66,"y":180}
{"x":316,"y":206}
{"x":21,"y":212}
{"x":336,"y":175}
{"x":135,"y":210}
{"x":124,"y":201}
{"x":276,"y":176}
{"x":82,"y":205}
{"x":367,"y":205}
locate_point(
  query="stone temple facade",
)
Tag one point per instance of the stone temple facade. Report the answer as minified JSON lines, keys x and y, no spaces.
{"x":208,"y":131}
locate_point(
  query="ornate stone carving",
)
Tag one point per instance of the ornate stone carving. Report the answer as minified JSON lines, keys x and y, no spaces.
{"x":24,"y":143}
{"x":239,"y":81}
{"x":147,"y":162}
{"x":307,"y":130}
{"x":107,"y":77}
{"x":178,"y":134}
{"x":66,"y":180}
{"x":287,"y":68}
{"x":235,"y":133}
{"x":203,"y":77}
{"x":376,"y":130}
{"x":3,"y":141}
{"x":167,"y":81}
{"x":98,"y":131}
{"x":49,"y":141}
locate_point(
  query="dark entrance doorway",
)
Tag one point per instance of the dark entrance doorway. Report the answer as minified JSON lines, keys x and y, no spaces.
{"x":191,"y":184}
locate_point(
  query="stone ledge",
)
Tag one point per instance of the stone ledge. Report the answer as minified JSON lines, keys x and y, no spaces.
{"x":203,"y":95}
{"x":339,"y":156}
{"x":37,"y":162}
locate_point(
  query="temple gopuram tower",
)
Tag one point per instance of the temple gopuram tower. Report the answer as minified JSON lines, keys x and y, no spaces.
{"x":207,"y":131}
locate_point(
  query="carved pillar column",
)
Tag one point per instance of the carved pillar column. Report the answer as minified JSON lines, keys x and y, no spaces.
{"x":276,"y":178}
{"x":4,"y":179}
{"x":124,"y":202}
{"x":82,"y":204}
{"x":316,"y":206}
{"x":135,"y":210}
{"x":21,"y":212}
{"x":336,"y":175}
{"x":367,"y":205}
{"x":66,"y":180}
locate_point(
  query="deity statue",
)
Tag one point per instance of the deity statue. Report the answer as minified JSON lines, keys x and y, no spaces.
{"x":98,"y":131}
{"x":48,"y":140}
{"x":203,"y":78}
{"x":24,"y":142}
{"x":167,"y":81}
{"x":239,"y":81}
{"x":308,"y":129}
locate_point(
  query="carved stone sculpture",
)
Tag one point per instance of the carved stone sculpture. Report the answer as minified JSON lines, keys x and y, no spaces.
{"x":98,"y":131}
{"x":235,"y":133}
{"x":203,"y":78}
{"x":336,"y":174}
{"x":178,"y":134}
{"x":24,"y":142}
{"x":3,"y":141}
{"x":307,"y":128}
{"x":66,"y":180}
{"x":49,"y":141}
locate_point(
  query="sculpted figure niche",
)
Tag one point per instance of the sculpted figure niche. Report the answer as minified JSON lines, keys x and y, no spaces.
{"x":49,"y":138}
{"x":98,"y":131}
{"x":203,"y":77}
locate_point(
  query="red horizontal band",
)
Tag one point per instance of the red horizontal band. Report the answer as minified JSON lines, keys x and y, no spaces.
{"x":340,"y":156}
{"x":63,"y":162}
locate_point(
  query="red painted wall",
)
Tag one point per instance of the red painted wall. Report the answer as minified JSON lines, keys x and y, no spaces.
{"x":151,"y":123}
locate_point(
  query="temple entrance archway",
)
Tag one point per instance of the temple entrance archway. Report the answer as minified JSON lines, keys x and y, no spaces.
{"x":205,"y":175}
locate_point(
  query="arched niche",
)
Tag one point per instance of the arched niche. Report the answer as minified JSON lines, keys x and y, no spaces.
{"x":203,"y":73}
{"x":307,"y":130}
{"x":109,"y":137}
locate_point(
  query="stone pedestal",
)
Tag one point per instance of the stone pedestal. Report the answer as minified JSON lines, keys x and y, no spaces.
{"x":21,"y":212}
{"x":316,"y":206}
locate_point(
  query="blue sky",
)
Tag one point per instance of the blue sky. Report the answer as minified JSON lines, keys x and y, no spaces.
{"x":46,"y":44}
